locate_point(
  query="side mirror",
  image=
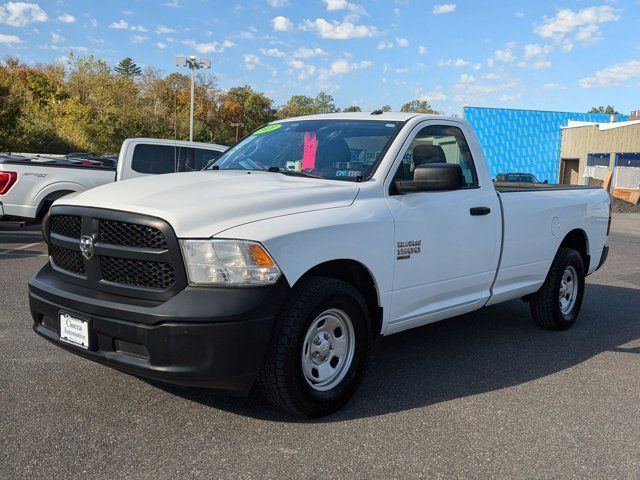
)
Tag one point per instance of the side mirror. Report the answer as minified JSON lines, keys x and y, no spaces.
{"x":432,"y":177}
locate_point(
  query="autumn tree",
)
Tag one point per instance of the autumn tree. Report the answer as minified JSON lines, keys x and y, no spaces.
{"x":245,"y":106}
{"x":300,"y":105}
{"x":418,"y":106}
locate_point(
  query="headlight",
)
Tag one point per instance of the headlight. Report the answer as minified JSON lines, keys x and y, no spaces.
{"x":228,"y":262}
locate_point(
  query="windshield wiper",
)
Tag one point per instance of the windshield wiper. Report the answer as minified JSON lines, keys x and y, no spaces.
{"x":292,"y":173}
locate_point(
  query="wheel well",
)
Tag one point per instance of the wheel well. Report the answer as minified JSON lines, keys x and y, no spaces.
{"x":46,"y":202}
{"x":577,"y":240}
{"x":355,"y":274}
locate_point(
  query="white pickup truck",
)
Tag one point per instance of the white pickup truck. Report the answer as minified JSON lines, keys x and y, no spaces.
{"x":299,"y":246}
{"x":28,"y":186}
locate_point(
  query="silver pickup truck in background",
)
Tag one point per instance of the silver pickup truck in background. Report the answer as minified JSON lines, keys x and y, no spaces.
{"x":29,"y":185}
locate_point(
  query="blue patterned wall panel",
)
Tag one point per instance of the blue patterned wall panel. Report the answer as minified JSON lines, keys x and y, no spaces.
{"x":525,"y":141}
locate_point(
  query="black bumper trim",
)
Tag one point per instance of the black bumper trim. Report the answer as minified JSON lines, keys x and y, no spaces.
{"x":203,"y":337}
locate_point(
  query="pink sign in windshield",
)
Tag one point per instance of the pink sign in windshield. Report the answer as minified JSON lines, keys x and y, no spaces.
{"x":310,"y":147}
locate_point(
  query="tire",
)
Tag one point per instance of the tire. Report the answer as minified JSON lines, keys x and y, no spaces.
{"x":549,"y":308}
{"x":322,"y":319}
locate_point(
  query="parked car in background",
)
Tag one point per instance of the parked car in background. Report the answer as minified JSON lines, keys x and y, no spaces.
{"x":29,"y":185}
{"x":518,"y":178}
{"x":308,"y":239}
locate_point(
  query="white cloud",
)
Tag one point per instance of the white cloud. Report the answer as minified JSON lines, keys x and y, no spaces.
{"x":138,"y":38}
{"x":535,"y":56}
{"x":124,"y":25}
{"x":304,"y":70}
{"x":469,"y":89}
{"x":444,"y":8}
{"x":172,"y":4}
{"x":403,"y":70}
{"x":282,"y":24}
{"x":382,"y":45}
{"x":338,"y":30}
{"x":161,"y":45}
{"x":212,"y":47}
{"x":436,"y":95}
{"x":583,"y":26}
{"x":55,"y":38}
{"x":19,"y":14}
{"x":335,"y":5}
{"x":453,"y":62}
{"x":402,"y":42}
{"x":304,"y":52}
{"x":9,"y":39}
{"x":613,"y":75}
{"x":278,"y":3}
{"x":553,"y":86}
{"x":66,"y":18}
{"x":273,"y":52}
{"x":520,"y":14}
{"x":536,"y":50}
{"x":163,"y":29}
{"x":422,"y":50}
{"x":505,"y":55}
{"x":343,"y":66}
{"x":250,"y":61}
{"x":509,"y":98}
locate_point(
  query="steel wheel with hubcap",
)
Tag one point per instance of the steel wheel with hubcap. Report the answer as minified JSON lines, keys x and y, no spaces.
{"x":568,"y":290}
{"x":557,"y":304}
{"x":328,"y":349}
{"x":319,"y":350}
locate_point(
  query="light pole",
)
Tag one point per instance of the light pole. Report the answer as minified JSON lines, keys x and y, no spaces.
{"x":194,"y":64}
{"x":237,"y":125}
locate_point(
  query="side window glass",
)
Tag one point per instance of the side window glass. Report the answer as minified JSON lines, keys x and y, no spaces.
{"x":439,"y":144}
{"x":154,"y":159}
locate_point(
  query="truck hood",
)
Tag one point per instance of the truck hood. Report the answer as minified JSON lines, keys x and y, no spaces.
{"x":203,"y":204}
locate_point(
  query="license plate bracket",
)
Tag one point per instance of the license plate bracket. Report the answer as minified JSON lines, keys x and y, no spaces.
{"x":74,"y":330}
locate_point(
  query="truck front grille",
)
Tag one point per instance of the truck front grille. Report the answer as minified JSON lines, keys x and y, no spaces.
{"x":133,"y":255}
{"x":131,"y":235}
{"x":67,"y":259}
{"x":66,"y":225}
{"x":139,"y":273}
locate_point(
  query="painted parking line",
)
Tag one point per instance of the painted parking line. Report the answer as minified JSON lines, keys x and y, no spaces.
{"x":17,"y":250}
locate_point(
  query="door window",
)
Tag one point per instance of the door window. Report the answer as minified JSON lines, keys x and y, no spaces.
{"x":439,"y":144}
{"x":157,"y":159}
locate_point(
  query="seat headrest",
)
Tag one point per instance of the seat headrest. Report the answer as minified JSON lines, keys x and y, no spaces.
{"x":423,"y":154}
{"x":331,"y":151}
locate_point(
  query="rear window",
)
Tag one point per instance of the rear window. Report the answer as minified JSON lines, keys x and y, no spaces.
{"x":158,"y":159}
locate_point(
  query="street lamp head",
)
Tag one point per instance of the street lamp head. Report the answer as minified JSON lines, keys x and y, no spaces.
{"x":204,"y":63}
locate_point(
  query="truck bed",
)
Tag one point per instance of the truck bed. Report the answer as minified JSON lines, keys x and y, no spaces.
{"x":504,"y":187}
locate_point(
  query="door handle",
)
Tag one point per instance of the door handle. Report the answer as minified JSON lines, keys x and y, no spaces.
{"x":475,"y":211}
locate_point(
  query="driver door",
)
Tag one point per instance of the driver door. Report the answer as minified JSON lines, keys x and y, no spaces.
{"x":446,"y":251}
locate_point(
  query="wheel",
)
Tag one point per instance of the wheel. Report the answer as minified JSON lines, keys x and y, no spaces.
{"x":319,"y":348}
{"x":557,"y":304}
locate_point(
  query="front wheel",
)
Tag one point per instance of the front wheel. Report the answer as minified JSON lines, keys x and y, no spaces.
{"x":557,"y":304}
{"x":319,"y":349}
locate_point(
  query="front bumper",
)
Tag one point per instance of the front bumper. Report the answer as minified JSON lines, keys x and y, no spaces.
{"x":202,"y":337}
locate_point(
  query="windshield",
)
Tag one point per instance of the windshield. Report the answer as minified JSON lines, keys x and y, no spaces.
{"x":332,"y":149}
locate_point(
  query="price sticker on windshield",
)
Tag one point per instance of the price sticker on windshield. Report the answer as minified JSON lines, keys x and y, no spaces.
{"x":268,"y":128}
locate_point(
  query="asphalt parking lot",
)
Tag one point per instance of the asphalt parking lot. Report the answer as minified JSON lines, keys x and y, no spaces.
{"x":486,"y":395}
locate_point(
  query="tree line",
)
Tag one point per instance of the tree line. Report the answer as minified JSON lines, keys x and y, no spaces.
{"x":86,"y":105}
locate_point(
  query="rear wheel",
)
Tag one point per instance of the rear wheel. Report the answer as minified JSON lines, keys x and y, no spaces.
{"x":557,"y":304}
{"x":319,"y":349}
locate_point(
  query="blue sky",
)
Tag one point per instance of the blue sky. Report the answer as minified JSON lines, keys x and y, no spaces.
{"x":564,"y":55}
